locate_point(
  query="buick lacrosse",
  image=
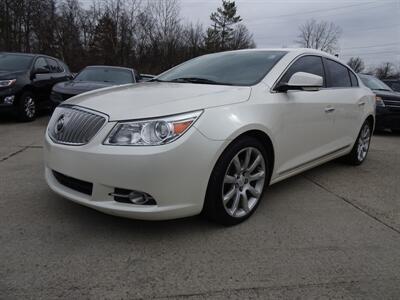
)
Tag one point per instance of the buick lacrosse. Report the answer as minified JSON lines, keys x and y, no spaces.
{"x":209,"y":135}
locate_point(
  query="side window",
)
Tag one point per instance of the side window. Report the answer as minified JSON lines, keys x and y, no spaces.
{"x":353,"y":78}
{"x":338,"y":75}
{"x":41,"y":63}
{"x":309,"y":64}
{"x":53,"y":65}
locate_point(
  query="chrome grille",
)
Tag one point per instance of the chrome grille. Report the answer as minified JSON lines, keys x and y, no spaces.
{"x":391,"y":103}
{"x":72,"y":125}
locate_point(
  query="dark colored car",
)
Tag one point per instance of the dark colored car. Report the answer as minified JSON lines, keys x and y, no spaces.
{"x":26,"y":81}
{"x":387,"y":103}
{"x":393,"y":83}
{"x":92,"y":78}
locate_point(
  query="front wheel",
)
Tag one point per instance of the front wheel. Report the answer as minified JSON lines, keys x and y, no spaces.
{"x":237,"y":182}
{"x":27,"y":107}
{"x":360,"y":149}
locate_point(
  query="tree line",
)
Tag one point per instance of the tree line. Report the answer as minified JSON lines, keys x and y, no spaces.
{"x":148,"y":35}
{"x":323,"y":35}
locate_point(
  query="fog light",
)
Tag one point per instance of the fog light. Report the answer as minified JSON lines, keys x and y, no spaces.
{"x":9,"y":99}
{"x":134,"y":197}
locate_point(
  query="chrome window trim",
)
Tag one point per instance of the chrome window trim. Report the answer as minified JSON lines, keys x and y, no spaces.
{"x":272,"y":89}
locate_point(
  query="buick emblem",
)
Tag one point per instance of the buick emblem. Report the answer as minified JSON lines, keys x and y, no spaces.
{"x":59,"y":124}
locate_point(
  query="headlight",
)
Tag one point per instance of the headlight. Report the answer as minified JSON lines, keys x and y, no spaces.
{"x":7,"y":83}
{"x":379,"y":101}
{"x":152,"y":132}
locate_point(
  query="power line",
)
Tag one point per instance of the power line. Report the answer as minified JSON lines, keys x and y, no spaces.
{"x":373,"y":46}
{"x":369,"y":53}
{"x":315,"y":11}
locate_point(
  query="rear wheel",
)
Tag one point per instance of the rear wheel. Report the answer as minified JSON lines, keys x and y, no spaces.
{"x":237,"y":182}
{"x":397,"y":131}
{"x":360,"y":149}
{"x":27,"y":107}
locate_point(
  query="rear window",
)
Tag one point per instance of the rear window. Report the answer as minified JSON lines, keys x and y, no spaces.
{"x":112,"y":75}
{"x":338,"y":75}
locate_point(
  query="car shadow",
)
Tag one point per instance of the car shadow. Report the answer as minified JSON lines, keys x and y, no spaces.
{"x":386,"y":133}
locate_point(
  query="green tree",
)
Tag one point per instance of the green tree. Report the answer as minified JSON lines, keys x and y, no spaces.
{"x":220,"y":34}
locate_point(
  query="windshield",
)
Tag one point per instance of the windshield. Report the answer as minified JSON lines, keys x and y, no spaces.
{"x":14,"y":62}
{"x":243,"y":68}
{"x":374,"y":83}
{"x":112,"y":75}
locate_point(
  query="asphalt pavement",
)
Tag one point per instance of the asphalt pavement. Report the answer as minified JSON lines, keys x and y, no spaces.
{"x":332,"y":232}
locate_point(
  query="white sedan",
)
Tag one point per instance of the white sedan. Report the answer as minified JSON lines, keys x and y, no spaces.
{"x":208,"y":135}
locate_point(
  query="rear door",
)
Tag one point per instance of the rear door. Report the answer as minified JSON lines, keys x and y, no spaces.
{"x":347,"y":100}
{"x":307,"y":119}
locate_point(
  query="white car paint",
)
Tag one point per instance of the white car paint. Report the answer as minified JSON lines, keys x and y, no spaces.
{"x":306,"y":128}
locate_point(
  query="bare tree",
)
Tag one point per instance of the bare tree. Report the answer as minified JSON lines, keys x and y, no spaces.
{"x":357,"y":64}
{"x":320,"y":35}
{"x":146,"y":34}
{"x":385,"y":70}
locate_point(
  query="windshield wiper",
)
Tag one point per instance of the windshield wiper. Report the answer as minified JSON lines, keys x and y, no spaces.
{"x":382,"y":90}
{"x":156,"y":80}
{"x":198,"y":80}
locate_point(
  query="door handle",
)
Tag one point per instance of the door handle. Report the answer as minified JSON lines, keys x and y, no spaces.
{"x":361,"y":103}
{"x":329,"y":109}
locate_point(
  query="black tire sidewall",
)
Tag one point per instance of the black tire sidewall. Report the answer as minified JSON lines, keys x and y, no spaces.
{"x":213,"y":206}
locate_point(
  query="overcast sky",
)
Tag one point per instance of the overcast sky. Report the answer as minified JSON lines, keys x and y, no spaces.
{"x":371,"y":28}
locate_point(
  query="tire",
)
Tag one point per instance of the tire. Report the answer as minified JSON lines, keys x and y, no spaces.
{"x":396,"y":131}
{"x":360,"y":149}
{"x":27,"y":108}
{"x":240,"y":173}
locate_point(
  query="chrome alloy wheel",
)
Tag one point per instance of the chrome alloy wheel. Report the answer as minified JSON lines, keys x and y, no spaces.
{"x":243,"y":182}
{"x":29,"y":107}
{"x":363,"y":143}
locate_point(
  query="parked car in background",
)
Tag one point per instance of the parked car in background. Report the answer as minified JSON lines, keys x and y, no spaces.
{"x":93,"y":78}
{"x":26,"y":81}
{"x":208,"y":135}
{"x":387,"y":103}
{"x":393,"y":83}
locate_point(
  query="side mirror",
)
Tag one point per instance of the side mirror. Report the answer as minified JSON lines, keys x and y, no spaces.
{"x":302,"y":81}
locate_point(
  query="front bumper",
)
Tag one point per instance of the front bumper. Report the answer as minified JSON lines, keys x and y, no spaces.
{"x":387,"y":118}
{"x":175,"y":175}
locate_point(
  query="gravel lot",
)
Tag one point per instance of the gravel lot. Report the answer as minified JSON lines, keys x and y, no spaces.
{"x":333,"y":232}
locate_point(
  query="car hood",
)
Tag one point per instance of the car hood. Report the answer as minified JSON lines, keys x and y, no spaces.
{"x":153,"y":99}
{"x":78,"y":87}
{"x":387,"y":95}
{"x":10,"y":74}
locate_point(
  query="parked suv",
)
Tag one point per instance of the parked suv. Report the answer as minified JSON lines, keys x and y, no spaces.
{"x":26,"y":81}
{"x":93,"y":78}
{"x":208,"y":135}
{"x":387,"y":103}
{"x":393,"y":83}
